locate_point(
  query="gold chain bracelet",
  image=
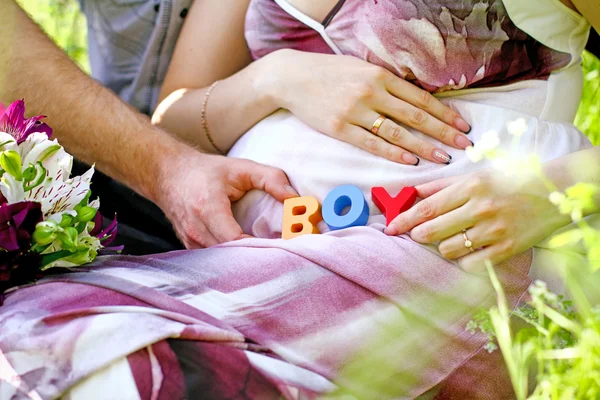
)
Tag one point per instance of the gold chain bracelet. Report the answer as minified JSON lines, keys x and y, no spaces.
{"x":204,"y":119}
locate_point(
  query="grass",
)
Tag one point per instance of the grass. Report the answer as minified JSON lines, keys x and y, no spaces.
{"x":588,"y":117}
{"x":63,"y":22}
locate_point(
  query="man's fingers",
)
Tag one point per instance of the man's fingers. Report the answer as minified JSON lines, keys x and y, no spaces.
{"x":271,"y":180}
{"x":220,"y":222}
{"x":225,"y":228}
{"x":197,"y":236}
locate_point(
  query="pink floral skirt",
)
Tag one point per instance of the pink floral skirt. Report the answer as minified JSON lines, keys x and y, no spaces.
{"x":353,"y":312}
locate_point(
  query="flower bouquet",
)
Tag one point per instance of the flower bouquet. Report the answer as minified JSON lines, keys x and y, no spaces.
{"x":46,"y":217}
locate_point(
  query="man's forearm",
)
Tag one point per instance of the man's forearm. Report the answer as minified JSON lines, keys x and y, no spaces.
{"x":91,"y":122}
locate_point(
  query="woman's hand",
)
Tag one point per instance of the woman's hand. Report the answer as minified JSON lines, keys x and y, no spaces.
{"x":343,"y":96}
{"x":502,"y":217}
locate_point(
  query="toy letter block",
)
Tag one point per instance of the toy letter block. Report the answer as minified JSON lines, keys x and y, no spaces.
{"x":390,"y":206}
{"x":300,"y":217}
{"x":341,"y":198}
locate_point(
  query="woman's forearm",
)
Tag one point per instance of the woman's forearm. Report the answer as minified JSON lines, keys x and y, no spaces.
{"x":234,"y":106}
{"x":582,"y":166}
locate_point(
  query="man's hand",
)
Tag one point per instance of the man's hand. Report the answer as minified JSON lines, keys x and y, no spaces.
{"x":196,"y":191}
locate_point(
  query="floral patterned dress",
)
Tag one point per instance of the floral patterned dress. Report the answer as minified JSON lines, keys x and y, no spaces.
{"x":439,"y":45}
{"x":351,"y":313}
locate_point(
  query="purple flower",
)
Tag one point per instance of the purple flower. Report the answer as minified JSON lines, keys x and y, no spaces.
{"x":18,"y":264}
{"x":17,"y":223}
{"x":18,"y":269}
{"x":107,"y":235}
{"x":13,"y":122}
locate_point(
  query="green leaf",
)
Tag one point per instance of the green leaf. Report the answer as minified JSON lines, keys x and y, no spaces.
{"x":52,"y":257}
{"x":594,"y":258}
{"x":81,"y":226}
{"x":566,"y":238}
{"x":10,"y":161}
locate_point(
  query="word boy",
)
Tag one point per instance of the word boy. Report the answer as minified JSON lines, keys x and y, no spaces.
{"x":302,"y":214}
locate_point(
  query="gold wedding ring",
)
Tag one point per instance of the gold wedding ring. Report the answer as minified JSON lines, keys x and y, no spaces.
{"x":468,"y":243}
{"x":377,"y":124}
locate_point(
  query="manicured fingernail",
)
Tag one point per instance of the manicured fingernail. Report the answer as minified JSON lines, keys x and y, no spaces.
{"x":462,"y":125}
{"x":391,"y":230}
{"x":291,"y":190}
{"x":462,"y":142}
{"x":442,"y":156}
{"x":410,"y":159}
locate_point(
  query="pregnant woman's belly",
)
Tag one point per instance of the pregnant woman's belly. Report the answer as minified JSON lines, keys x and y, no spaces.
{"x":316,"y":163}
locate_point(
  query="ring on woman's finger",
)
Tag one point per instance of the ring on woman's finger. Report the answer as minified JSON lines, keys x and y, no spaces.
{"x":377,"y":124}
{"x":465,"y":242}
{"x":468,"y":243}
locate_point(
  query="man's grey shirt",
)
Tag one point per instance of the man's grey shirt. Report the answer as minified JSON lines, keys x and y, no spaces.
{"x":131,"y":43}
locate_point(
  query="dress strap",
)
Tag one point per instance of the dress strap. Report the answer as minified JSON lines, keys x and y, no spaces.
{"x":306,"y":20}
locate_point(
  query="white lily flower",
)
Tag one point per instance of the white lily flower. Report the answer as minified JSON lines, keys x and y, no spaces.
{"x":57,"y":193}
{"x":557,"y":198}
{"x":518,"y":128}
{"x":38,"y":148}
{"x":516,"y":165}
{"x":8,"y":142}
{"x":576,"y":214}
{"x":55,"y":196}
{"x":95,"y":204}
{"x":485,"y":147}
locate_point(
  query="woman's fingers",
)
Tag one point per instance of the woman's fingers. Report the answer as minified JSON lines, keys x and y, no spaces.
{"x":444,"y":226}
{"x":479,"y":235}
{"x":395,"y":134}
{"x":366,"y":140}
{"x":430,"y":188}
{"x":496,"y":253}
{"x":420,"y":119}
{"x":429,"y":209}
{"x":425,"y":101}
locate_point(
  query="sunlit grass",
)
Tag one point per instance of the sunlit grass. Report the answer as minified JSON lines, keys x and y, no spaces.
{"x":588,"y":118}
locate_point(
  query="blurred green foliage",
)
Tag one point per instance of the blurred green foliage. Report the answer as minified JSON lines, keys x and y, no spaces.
{"x":588,"y":118}
{"x":62,"y":20}
{"x":64,"y":23}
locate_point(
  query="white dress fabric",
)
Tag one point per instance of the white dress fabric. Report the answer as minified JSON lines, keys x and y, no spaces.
{"x":317,"y":163}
